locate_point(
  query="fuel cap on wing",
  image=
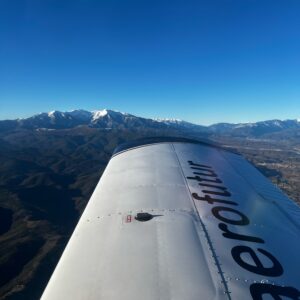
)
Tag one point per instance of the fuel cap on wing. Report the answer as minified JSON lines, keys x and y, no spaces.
{"x":143,"y":217}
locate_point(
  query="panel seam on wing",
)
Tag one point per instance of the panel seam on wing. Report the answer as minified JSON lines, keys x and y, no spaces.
{"x":211,"y":249}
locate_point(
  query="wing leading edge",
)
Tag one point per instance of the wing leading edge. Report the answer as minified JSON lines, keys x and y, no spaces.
{"x":181,"y":220}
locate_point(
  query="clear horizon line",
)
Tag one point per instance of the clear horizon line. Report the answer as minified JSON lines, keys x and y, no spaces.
{"x":147,"y":117}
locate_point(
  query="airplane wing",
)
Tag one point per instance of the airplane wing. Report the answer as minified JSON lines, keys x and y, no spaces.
{"x":175,"y":219}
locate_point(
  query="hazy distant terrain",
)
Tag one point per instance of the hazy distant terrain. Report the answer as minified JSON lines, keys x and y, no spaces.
{"x":50,"y":164}
{"x":279,"y":160}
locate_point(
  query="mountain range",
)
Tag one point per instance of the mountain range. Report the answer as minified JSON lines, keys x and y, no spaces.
{"x":109,"y":119}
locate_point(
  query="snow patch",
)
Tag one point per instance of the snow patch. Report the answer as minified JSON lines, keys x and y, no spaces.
{"x":97,"y":114}
{"x":51,"y":114}
{"x":55,"y":113}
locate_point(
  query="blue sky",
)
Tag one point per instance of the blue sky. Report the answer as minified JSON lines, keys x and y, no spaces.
{"x":201,"y":61}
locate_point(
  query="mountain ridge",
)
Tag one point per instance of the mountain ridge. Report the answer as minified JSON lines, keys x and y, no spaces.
{"x":109,"y":119}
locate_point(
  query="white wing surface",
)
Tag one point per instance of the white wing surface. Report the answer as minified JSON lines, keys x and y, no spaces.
{"x":179,"y":220}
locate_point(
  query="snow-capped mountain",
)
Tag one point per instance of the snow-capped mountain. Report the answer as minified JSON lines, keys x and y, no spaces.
{"x":70,"y":119}
{"x":96,"y":119}
{"x":109,"y":119}
{"x":177,"y":123}
{"x":255,"y":129}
